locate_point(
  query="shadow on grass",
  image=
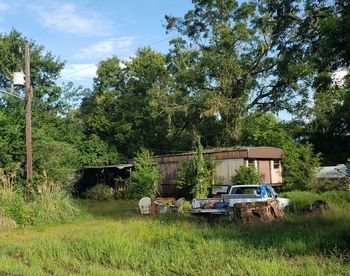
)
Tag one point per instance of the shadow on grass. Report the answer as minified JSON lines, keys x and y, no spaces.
{"x":113,"y":209}
{"x":296,"y":235}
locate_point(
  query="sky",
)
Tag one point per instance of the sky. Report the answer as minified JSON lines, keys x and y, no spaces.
{"x":84,"y":32}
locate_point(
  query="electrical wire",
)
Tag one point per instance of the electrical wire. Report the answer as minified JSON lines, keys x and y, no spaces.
{"x":93,"y":65}
{"x":64,"y":19}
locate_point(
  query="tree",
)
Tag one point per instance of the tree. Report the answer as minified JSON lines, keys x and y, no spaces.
{"x":45,"y":68}
{"x":195,"y":177}
{"x":146,"y":175}
{"x":246,"y":175}
{"x":59,"y":147}
{"x":326,"y":34}
{"x":300,"y":165}
{"x":329,"y":130}
{"x":127,"y":108}
{"x":264,"y":129}
{"x":248,"y":55}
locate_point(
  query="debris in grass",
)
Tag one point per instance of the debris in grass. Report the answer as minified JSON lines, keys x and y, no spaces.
{"x":317,"y":207}
{"x":260,"y":211}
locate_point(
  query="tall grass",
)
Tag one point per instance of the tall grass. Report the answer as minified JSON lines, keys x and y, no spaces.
{"x":119,"y":241}
{"x":300,"y":201}
{"x":53,"y":206}
{"x":116,"y":240}
{"x":50,"y":206}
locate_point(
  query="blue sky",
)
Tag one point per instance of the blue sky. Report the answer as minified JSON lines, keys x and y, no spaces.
{"x":87,"y":31}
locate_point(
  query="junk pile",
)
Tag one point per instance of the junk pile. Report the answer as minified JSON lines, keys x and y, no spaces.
{"x":317,"y":207}
{"x":260,"y":211}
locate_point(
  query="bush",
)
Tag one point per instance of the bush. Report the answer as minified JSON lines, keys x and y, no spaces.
{"x":326,"y":185}
{"x":145,"y":177}
{"x":52,"y":206}
{"x":300,"y":165}
{"x":195,"y":177}
{"x":12,"y":204}
{"x":246,"y":175}
{"x":100,"y":192}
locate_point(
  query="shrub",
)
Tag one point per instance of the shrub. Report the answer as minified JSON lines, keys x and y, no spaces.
{"x":195,"y":177}
{"x":300,"y":164}
{"x":12,"y":204}
{"x":52,"y":206}
{"x":100,"y":192}
{"x":325,"y":185}
{"x":145,"y":177}
{"x":246,"y":175}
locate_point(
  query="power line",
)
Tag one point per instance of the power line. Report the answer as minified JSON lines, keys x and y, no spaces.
{"x":78,"y":70}
{"x":64,"y":19}
{"x":93,"y":65}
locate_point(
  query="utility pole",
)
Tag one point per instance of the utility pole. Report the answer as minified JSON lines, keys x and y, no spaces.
{"x":29,"y":165}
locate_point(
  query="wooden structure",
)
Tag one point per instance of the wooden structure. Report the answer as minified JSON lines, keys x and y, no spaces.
{"x":267,"y":160}
{"x":260,"y":211}
{"x":92,"y":175}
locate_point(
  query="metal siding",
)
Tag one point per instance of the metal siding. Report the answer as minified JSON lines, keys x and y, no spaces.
{"x":229,"y":161}
{"x":227,"y":168}
{"x":265,"y":153}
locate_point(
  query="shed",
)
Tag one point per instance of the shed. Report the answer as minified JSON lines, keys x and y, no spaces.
{"x":107,"y":174}
{"x":267,"y":160}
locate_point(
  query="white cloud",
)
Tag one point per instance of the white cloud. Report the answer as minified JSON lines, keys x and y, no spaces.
{"x":119,"y":46}
{"x":79,"y":72}
{"x":65,"y":18}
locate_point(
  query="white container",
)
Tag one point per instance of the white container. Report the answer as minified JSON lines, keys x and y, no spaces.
{"x":18,"y":78}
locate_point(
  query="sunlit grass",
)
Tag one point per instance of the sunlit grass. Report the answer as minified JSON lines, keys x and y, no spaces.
{"x":116,"y":240}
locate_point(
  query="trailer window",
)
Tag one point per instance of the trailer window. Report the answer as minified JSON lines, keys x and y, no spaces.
{"x":251,"y":163}
{"x":276,"y":164}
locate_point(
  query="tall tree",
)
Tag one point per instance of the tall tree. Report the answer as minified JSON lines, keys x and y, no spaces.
{"x":248,"y":55}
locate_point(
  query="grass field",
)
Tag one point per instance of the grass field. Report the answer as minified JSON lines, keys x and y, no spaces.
{"x":114,"y":240}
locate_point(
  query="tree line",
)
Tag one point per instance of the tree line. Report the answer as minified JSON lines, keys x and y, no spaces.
{"x":233,"y":67}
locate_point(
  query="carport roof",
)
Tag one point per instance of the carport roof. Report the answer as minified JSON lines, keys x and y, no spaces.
{"x":117,"y":166}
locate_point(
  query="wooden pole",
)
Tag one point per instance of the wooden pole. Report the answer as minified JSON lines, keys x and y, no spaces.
{"x":29,"y":165}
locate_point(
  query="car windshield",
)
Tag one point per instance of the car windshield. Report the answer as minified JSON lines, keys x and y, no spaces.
{"x":220,"y":189}
{"x":244,"y":191}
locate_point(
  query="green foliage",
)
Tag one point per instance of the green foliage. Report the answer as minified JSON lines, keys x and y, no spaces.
{"x":264,"y":129}
{"x":195,"y":177}
{"x":297,"y":245}
{"x":49,"y":206}
{"x":246,"y":175}
{"x":100,"y":192}
{"x":56,"y":161}
{"x":325,"y":185}
{"x":53,"y":206}
{"x":145,"y":176}
{"x":12,"y":204}
{"x":299,"y":165}
{"x":331,"y":124}
{"x":300,"y":201}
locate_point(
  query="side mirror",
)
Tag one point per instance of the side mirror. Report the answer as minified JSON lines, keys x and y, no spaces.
{"x":276,"y":195}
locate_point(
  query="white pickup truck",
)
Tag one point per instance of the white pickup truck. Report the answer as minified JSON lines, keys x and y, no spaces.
{"x":221,"y":202}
